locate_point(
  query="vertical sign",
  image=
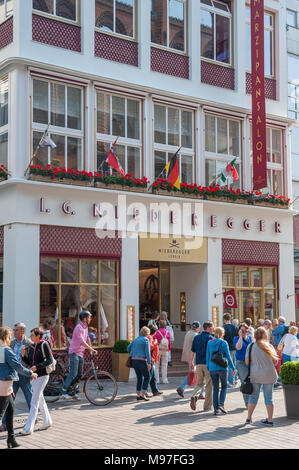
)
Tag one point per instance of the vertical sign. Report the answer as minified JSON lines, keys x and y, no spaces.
{"x":130,"y":322}
{"x":259,"y":135}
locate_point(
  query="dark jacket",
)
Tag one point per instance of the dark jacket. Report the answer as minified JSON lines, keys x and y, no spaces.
{"x":35,"y":357}
{"x":230,"y":332}
{"x":199,"y":346}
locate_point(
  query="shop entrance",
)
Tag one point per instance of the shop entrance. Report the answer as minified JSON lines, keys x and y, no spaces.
{"x":154,"y":289}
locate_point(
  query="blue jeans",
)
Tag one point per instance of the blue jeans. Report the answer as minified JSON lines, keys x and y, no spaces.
{"x":242,"y":369}
{"x":76,"y":364}
{"x":142,"y":374}
{"x":153,"y":381}
{"x":232,"y":378}
{"x":24,"y":383}
{"x":217,"y":375}
{"x":287,"y":358}
{"x":268,"y":394}
{"x":184,"y":384}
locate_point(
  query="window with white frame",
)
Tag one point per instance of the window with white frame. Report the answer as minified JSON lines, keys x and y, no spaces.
{"x":60,"y":105}
{"x":222,"y":145}
{"x":64,"y":9}
{"x":119,"y":117}
{"x":3,"y":122}
{"x":293,"y":86}
{"x":268,"y":39}
{"x":116,"y":16}
{"x":168,"y":23}
{"x":174,"y":128}
{"x":216,"y":31}
{"x":274,"y":161}
{"x":6,"y":9}
{"x":292,"y":18}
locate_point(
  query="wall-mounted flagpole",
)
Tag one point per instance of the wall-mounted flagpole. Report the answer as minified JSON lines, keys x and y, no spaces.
{"x":114,"y":143}
{"x":163,"y":169}
{"x":36,"y":150}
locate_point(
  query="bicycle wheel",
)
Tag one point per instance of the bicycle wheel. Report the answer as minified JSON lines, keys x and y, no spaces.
{"x":54,"y":385}
{"x":100,"y":389}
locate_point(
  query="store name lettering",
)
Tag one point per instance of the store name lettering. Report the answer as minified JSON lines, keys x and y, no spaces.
{"x":247,"y":224}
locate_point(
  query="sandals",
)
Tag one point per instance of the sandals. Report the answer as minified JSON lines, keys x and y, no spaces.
{"x":143,"y":398}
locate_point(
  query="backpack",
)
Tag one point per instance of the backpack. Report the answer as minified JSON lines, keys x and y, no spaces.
{"x":164,"y":343}
{"x":51,"y":367}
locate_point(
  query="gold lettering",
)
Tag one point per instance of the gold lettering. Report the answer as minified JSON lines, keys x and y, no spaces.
{"x":259,"y":159}
{"x":259,"y":146}
{"x":257,"y":15}
{"x":258,"y":121}
{"x":257,"y":81}
{"x":257,"y":64}
{"x":258,"y":105}
{"x":258,"y":92}
{"x":256,"y":1}
{"x":256,"y":28}
{"x":258,"y":133}
{"x":257,"y":40}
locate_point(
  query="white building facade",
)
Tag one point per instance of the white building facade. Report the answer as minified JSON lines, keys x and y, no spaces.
{"x":158,"y":76}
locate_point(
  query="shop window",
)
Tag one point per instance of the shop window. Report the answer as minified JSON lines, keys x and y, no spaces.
{"x":173,"y":128}
{"x":222,"y":145}
{"x":116,"y":16}
{"x":61,"y":106}
{"x":6,"y":9}
{"x":4,"y":122}
{"x":168,"y":23}
{"x":119,"y":116}
{"x":256,"y":291}
{"x":269,"y":42}
{"x":275,"y":184}
{"x":1,"y":291}
{"x":68,"y":286}
{"x":215,"y":31}
{"x":63,"y":9}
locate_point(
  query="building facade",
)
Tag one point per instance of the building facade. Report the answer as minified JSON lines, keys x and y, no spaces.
{"x":144,"y":73}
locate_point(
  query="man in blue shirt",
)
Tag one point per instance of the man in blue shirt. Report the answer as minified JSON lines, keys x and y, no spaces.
{"x":241,"y":342}
{"x":279,"y":331}
{"x":199,"y":350}
{"x":24,"y":382}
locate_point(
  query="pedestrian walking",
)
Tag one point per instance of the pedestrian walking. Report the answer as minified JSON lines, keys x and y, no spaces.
{"x":24,"y":382}
{"x":38,"y":357}
{"x":219,"y":372}
{"x":199,"y":350}
{"x":155,"y":353}
{"x":10,"y":367}
{"x":230,"y":332}
{"x":163,"y":337}
{"x":262,"y":374}
{"x":268,"y":327}
{"x":277,"y":335}
{"x":186,"y":356}
{"x":139,"y":351}
{"x":250,"y":331}
{"x":260,"y":322}
{"x":290,"y":350}
{"x":241,"y":342}
{"x":154,"y":320}
{"x":79,"y":342}
{"x":236,"y":322}
{"x":163,"y":316}
{"x":154,"y":350}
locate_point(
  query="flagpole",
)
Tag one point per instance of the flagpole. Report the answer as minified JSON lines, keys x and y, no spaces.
{"x":164,"y":169}
{"x":291,"y":203}
{"x":35,"y":152}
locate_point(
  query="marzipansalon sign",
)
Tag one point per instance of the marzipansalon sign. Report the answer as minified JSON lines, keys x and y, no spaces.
{"x":155,"y":219}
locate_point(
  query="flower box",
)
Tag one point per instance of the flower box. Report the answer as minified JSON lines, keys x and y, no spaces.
{"x":60,"y":175}
{"x":115,"y":187}
{"x":225,"y":199}
{"x":271,"y":204}
{"x":49,"y":179}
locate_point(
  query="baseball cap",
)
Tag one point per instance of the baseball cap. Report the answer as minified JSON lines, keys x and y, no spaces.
{"x":196,"y":324}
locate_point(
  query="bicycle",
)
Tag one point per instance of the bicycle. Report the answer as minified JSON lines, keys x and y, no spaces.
{"x":100,"y":387}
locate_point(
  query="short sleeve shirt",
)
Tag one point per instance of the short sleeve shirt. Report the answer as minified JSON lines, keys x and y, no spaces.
{"x":241,"y":353}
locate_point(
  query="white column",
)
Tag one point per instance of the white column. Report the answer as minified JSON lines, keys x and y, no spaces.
{"x":21,"y":275}
{"x":22,"y":25}
{"x":144,"y":34}
{"x":19,"y":121}
{"x":129,"y":284}
{"x":214,"y":277}
{"x":193,"y":41}
{"x":87,"y":27}
{"x":239,"y":46}
{"x":286,"y":282}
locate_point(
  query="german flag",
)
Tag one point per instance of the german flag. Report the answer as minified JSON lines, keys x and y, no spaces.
{"x":172,"y":171}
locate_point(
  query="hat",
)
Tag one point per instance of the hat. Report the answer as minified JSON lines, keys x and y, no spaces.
{"x":196,"y":324}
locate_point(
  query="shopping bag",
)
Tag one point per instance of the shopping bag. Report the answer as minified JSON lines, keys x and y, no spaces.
{"x":192,"y":378}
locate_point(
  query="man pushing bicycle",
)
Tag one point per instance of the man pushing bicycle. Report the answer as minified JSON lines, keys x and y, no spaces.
{"x":80,"y":341}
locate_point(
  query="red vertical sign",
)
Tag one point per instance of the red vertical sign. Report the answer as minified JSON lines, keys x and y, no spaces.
{"x":259,"y":134}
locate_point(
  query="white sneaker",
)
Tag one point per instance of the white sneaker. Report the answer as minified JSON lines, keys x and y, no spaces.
{"x":43,"y":428}
{"x":25,"y":433}
{"x":65,"y":397}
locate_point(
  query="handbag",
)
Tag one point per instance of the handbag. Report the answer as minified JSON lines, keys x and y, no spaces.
{"x":129,"y":362}
{"x":247,"y":387}
{"x":280,"y":345}
{"x":192,"y":378}
{"x":51,"y":367}
{"x":219,"y":359}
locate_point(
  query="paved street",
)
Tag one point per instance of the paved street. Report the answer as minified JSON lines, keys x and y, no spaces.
{"x":166,"y":422}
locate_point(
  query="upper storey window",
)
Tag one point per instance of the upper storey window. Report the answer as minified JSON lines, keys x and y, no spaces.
{"x":3,"y":122}
{"x":65,"y":9}
{"x":269,"y":42}
{"x":168,"y":24}
{"x":216,"y":31}
{"x":6,"y":9}
{"x":116,"y":16}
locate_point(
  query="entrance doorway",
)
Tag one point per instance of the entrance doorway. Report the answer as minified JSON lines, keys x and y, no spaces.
{"x":154,"y":289}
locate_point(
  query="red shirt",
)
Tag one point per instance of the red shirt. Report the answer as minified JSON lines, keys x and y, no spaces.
{"x":154,"y":348}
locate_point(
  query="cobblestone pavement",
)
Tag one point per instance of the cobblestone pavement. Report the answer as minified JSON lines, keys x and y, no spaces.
{"x":166,"y":422}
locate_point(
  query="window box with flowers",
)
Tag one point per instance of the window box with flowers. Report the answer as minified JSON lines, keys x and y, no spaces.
{"x":3,"y":173}
{"x":60,"y":175}
{"x":122,"y":183}
{"x":280,"y":202}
